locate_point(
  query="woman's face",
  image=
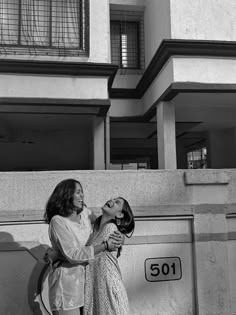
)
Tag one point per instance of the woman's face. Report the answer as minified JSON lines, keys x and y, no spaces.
{"x":78,"y":197}
{"x":114,"y":207}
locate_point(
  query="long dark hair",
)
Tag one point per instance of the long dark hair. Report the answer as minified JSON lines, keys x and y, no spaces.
{"x":61,"y":200}
{"x":125,"y":224}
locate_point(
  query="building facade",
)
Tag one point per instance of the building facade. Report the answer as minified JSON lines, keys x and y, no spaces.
{"x":94,"y":85}
{"x":104,"y":84}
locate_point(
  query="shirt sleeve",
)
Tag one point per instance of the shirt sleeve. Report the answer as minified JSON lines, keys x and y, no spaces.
{"x":69,"y":248}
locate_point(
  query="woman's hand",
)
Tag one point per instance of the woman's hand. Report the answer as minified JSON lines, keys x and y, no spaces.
{"x":51,"y":256}
{"x":118,"y":238}
{"x":112,"y":245}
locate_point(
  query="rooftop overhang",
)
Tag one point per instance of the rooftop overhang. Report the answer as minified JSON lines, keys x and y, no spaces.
{"x":98,"y":107}
{"x":55,"y":87}
{"x":59,"y":68}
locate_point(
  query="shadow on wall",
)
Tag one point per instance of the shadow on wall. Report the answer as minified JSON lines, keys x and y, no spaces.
{"x":38,"y":283}
{"x":6,"y":237}
{"x":23,"y":273}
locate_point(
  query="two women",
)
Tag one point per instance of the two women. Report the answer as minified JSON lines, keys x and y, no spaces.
{"x":69,"y":229}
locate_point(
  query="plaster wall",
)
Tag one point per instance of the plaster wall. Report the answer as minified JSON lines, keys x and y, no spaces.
{"x":159,"y":85}
{"x":142,"y":293}
{"x":52,"y":87}
{"x":157,"y":26}
{"x":126,"y":80}
{"x":30,"y":190}
{"x":139,"y":3}
{"x":126,"y":107}
{"x":203,"y":19}
{"x":232,"y":186}
{"x":99,"y":31}
{"x":170,"y":207}
{"x":231,"y":225}
{"x":204,"y":70}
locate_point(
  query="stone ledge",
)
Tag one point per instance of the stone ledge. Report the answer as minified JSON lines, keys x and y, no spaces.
{"x":206,"y":177}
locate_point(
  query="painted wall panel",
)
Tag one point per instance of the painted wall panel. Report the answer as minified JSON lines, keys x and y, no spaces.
{"x":157,"y":26}
{"x":52,"y":86}
{"x":204,"y":70}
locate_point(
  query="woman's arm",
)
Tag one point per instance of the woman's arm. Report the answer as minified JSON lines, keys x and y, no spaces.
{"x":69,"y":248}
{"x":51,"y":256}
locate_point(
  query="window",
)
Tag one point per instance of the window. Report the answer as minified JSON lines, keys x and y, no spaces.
{"x":44,"y":26}
{"x":127,"y":43}
{"x":197,"y":158}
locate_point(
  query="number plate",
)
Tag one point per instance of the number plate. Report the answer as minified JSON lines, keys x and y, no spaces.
{"x":163,"y":269}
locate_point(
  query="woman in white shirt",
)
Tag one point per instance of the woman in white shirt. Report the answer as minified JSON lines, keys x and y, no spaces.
{"x":69,"y":230}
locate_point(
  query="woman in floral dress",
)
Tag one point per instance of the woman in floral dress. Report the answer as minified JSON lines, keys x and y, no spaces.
{"x":105,"y":293}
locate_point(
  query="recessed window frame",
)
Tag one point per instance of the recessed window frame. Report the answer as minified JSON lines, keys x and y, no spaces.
{"x":122,"y":27}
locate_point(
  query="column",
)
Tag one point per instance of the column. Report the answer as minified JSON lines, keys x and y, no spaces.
{"x":107,"y":142}
{"x":98,"y":143}
{"x":166,"y":140}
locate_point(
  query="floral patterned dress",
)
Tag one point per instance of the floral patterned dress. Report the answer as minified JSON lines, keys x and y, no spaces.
{"x":105,"y":293}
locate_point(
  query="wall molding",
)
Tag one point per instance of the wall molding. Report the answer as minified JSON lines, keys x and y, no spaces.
{"x":155,"y":212}
{"x":59,"y":68}
{"x":101,"y":105}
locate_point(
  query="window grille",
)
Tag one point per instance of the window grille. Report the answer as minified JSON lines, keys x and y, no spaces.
{"x":127,"y":39}
{"x":50,"y":27}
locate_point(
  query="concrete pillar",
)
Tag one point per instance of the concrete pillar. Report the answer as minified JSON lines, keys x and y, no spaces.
{"x":211,"y":264}
{"x":107,"y":142}
{"x":98,"y":143}
{"x":166,"y":140}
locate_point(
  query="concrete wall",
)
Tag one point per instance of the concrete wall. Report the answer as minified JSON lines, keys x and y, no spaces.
{"x":203,"y":19}
{"x":205,"y":70}
{"x":50,"y":86}
{"x":157,"y":26}
{"x":159,"y":85}
{"x":185,"y":221}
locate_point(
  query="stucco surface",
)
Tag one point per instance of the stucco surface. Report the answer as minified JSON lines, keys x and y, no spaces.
{"x":203,"y":19}
{"x":204,"y":70}
{"x":199,"y":239}
{"x":157,"y":26}
{"x":52,"y":86}
{"x":30,"y":190}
